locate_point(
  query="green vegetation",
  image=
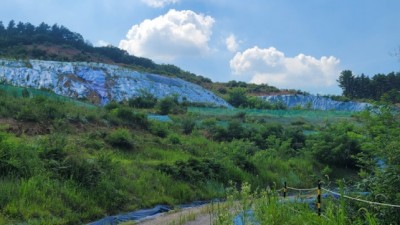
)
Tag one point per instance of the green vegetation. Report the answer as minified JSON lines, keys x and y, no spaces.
{"x":380,"y":87}
{"x":68,"y":163}
{"x":238,"y":97}
{"x":266,"y":207}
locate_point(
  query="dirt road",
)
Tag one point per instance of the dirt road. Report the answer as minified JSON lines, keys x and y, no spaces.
{"x":189,"y":216}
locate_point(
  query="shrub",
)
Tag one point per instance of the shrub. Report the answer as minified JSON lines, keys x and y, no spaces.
{"x":188,"y":126}
{"x":174,"y":139}
{"x":146,"y":100}
{"x":237,"y":97}
{"x":111,"y":105}
{"x":195,"y":170}
{"x":159,"y":129}
{"x":120,"y":138}
{"x":123,"y":115}
{"x":28,"y":114}
{"x":168,"y":105}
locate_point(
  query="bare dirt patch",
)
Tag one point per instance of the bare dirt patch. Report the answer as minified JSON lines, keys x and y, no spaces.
{"x":27,"y":128}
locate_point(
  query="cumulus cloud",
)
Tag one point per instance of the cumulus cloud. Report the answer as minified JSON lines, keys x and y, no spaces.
{"x":175,"y":34}
{"x":102,"y":43}
{"x":231,"y":43}
{"x":271,"y":66}
{"x":159,"y":3}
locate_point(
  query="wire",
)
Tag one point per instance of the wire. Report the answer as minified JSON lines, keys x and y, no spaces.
{"x":302,"y":189}
{"x":362,"y":200}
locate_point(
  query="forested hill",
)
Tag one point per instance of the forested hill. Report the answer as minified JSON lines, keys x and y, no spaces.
{"x":57,"y":43}
{"x":380,"y":87}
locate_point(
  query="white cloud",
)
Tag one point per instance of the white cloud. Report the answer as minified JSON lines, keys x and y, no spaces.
{"x":175,"y":34}
{"x":159,"y":3}
{"x":231,"y":43}
{"x":272,"y":67}
{"x":102,"y":43}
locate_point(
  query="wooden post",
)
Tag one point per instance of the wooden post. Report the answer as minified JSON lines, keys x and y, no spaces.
{"x":284,"y":190}
{"x":319,"y":198}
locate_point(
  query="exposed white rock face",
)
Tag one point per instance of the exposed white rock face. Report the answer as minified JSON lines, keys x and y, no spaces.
{"x":100,"y":81}
{"x":316,"y":102}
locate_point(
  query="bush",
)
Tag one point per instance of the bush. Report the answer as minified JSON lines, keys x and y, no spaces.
{"x":174,"y":139}
{"x":188,"y":126}
{"x":168,"y":105}
{"x":129,"y":117}
{"x":120,"y":138}
{"x":237,"y":97}
{"x":195,"y":170}
{"x":146,"y":100}
{"x":159,"y":129}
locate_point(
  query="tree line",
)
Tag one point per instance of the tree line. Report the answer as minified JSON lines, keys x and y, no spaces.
{"x":380,"y":87}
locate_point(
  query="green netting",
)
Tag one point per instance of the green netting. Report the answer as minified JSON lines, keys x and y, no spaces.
{"x":276,"y":115}
{"x":31,"y":92}
{"x":260,"y":112}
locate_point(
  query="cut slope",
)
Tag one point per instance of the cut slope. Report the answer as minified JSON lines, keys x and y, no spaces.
{"x":100,"y":83}
{"x":316,"y":102}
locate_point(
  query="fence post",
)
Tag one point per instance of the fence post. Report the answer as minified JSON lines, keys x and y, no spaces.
{"x":284,"y":190}
{"x":319,"y":198}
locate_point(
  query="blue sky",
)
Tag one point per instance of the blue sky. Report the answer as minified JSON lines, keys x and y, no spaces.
{"x":286,"y":43}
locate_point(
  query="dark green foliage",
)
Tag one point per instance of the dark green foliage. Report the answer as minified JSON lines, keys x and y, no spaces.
{"x":297,"y":138}
{"x":121,"y":56}
{"x":380,"y":161}
{"x":168,"y":105}
{"x":159,"y":129}
{"x":121,"y":138}
{"x":145,"y":100}
{"x":174,"y":139}
{"x":195,"y":170}
{"x":238,"y":98}
{"x":188,"y":125}
{"x":112,"y":105}
{"x":128,"y":116}
{"x":337,"y":145}
{"x":379,"y":87}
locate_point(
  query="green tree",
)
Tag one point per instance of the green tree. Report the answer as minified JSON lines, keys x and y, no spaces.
{"x":346,"y":82}
{"x":237,"y":97}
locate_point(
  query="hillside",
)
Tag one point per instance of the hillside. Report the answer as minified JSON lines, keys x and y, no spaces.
{"x":58,"y":43}
{"x":101,"y":83}
{"x":57,"y":156}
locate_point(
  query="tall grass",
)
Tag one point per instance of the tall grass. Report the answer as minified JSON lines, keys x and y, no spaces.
{"x":266,"y":207}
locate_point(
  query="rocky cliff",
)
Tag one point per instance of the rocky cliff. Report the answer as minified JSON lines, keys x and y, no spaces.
{"x":100,"y":82}
{"x":316,"y":102}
